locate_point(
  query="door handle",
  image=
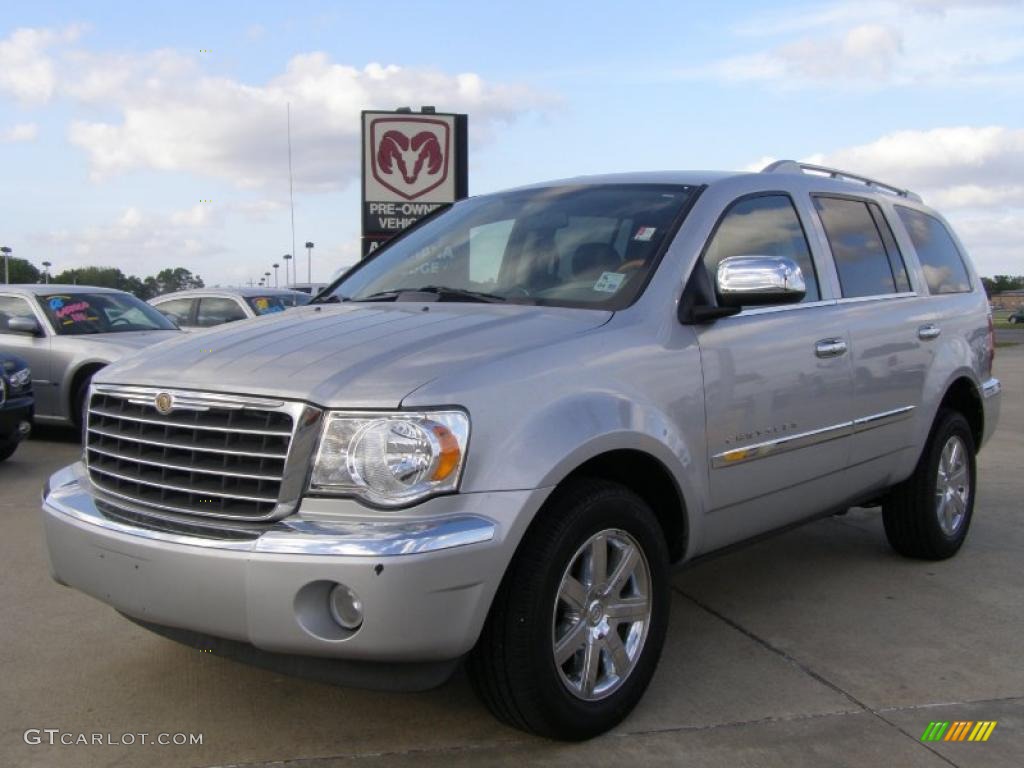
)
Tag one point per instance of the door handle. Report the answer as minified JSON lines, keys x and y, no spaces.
{"x":928,"y":332}
{"x":830,"y":348}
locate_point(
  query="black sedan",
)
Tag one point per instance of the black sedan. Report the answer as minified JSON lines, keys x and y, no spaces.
{"x":16,"y":403}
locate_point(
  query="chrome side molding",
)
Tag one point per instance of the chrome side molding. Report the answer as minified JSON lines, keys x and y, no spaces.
{"x":735,"y":456}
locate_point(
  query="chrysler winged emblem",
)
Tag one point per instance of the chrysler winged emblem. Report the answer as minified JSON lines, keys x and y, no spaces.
{"x":164,"y":403}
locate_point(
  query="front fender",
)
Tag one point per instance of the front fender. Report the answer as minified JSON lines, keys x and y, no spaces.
{"x":562,"y":435}
{"x":68,"y":377}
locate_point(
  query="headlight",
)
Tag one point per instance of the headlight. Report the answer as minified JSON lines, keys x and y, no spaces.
{"x":21,"y":379}
{"x":390,"y":458}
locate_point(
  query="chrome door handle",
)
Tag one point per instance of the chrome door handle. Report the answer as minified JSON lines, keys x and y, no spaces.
{"x":830,"y":348}
{"x":927,"y":332}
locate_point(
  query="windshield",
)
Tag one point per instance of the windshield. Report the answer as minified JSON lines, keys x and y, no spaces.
{"x":268,"y":305}
{"x":73,"y":314}
{"x":563,"y":246}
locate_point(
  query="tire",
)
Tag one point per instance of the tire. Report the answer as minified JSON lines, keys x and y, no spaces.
{"x":921,"y":523}
{"x":78,"y":401}
{"x":513,"y":665}
{"x":7,"y":450}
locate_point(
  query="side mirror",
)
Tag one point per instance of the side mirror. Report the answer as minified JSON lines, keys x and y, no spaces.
{"x":27,"y":325}
{"x":748,"y":280}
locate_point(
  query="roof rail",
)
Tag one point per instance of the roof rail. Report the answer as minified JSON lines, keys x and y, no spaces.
{"x":792,"y":166}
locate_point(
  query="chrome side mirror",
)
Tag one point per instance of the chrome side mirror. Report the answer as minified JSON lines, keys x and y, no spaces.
{"x":27,"y":325}
{"x":750,"y":280}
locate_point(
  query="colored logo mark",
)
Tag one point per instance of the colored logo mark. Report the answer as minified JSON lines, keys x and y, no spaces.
{"x":959,"y":730}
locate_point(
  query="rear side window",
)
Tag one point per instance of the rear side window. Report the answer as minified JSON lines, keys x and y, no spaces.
{"x":214,"y":310}
{"x":940,"y":259}
{"x":867,"y":259}
{"x":179,"y":310}
{"x":766,"y":225}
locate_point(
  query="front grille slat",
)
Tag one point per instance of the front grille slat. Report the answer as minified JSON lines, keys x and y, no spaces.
{"x":196,"y":425}
{"x":213,"y":456}
{"x":169,"y":465}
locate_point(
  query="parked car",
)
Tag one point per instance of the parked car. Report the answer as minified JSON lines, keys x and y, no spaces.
{"x":15,"y":403}
{"x":1017,"y":317}
{"x":209,"y":307}
{"x":67,"y":333}
{"x":494,"y":436}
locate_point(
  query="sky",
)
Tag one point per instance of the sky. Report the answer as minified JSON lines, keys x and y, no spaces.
{"x":118,"y":122}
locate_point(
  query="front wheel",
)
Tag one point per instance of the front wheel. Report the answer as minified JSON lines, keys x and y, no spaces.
{"x":577,"y":626}
{"x":927,"y":516}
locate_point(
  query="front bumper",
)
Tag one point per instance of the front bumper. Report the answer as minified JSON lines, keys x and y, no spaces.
{"x":426,"y":584}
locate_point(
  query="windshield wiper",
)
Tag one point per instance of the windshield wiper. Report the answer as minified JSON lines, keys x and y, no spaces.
{"x":442,"y":292}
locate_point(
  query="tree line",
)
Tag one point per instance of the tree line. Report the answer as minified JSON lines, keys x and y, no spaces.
{"x":164,"y":281}
{"x":180,"y":279}
{"x":1000,"y":283}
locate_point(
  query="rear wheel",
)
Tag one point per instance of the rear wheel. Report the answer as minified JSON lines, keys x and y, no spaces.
{"x":928,"y":515}
{"x":577,"y":626}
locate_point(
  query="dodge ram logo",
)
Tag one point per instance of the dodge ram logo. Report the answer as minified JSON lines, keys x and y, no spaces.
{"x":409,"y":155}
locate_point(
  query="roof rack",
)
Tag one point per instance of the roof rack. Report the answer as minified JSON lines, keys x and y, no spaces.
{"x":792,"y":166}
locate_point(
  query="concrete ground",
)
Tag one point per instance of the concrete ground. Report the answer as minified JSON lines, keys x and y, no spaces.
{"x":819,"y":647}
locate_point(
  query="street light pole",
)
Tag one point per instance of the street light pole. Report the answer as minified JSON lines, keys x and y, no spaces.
{"x":266,"y":279}
{"x":309,"y":262}
{"x":275,"y":274}
{"x":7,"y":271}
{"x":287,"y":258}
{"x":46,"y":271}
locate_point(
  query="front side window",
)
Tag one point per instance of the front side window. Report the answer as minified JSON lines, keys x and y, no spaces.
{"x":75,"y":314}
{"x":590,"y":246}
{"x":866,"y":267}
{"x":217,"y":310}
{"x":766,"y":225}
{"x":11,"y":307}
{"x":943,"y":266}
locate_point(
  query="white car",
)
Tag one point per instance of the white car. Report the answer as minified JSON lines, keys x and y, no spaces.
{"x":210,"y":307}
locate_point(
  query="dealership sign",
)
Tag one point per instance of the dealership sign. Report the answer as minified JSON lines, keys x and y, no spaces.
{"x":412,"y":165}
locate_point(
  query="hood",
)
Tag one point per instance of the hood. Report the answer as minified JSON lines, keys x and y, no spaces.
{"x":349,"y":355}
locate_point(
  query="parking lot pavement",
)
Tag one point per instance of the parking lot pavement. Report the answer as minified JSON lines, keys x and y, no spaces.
{"x":816,"y":647}
{"x":1013,"y":335}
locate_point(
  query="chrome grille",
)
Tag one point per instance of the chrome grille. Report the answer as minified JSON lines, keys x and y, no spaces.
{"x":210,"y":455}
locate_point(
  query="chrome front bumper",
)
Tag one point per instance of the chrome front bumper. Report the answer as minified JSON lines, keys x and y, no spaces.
{"x":426,"y":584}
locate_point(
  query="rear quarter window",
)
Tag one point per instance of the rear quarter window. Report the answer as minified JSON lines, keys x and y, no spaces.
{"x":941,"y":261}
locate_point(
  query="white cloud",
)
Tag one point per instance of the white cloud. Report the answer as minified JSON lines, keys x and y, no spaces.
{"x":19,"y":132}
{"x":175,"y":118}
{"x":873,"y":43}
{"x":27,"y":71}
{"x":866,"y":51}
{"x":966,"y":163}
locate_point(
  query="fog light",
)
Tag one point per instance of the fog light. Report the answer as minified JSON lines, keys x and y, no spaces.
{"x":24,"y":428}
{"x":346,"y":607}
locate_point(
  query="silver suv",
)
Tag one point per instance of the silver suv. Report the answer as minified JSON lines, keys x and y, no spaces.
{"x":494,"y":438}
